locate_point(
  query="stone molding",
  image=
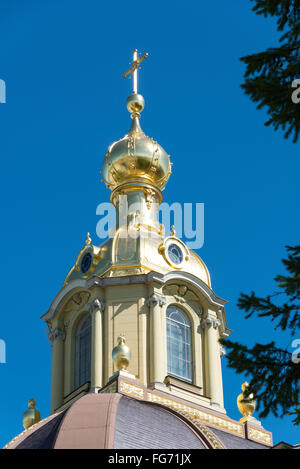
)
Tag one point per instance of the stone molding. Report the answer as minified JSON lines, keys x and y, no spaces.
{"x":134,"y":279}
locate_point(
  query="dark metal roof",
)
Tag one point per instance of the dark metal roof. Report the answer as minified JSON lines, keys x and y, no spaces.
{"x":235,"y":442}
{"x":116,"y":421}
{"x":45,"y":436}
{"x":144,"y":426}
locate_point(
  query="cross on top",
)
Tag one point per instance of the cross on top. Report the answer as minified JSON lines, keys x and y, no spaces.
{"x":134,"y":68}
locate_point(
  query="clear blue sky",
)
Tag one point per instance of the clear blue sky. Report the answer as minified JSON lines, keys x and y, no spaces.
{"x":62,"y":61}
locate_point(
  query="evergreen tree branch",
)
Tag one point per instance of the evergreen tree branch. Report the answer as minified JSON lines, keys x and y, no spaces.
{"x":287,"y":314}
{"x":274,"y":377}
{"x":269,"y":74}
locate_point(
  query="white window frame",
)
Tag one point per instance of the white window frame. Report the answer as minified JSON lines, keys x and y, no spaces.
{"x":186,"y":344}
{"x":82,"y":352}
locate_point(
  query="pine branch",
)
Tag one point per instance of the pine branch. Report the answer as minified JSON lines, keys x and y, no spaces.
{"x":274,"y":377}
{"x":287,"y":13}
{"x":286,"y":314}
{"x":269,"y":74}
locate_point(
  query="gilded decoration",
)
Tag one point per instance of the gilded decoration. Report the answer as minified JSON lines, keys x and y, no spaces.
{"x":136,"y":159}
{"x":246,"y":404}
{"x":137,"y":169}
{"x":121,"y":354}
{"x":121,"y":272}
{"x":31,"y":415}
{"x":163,"y":249}
{"x":132,"y":390}
{"x":260,"y":435}
{"x":191,"y":414}
{"x":198,"y":415}
{"x":88,"y":239}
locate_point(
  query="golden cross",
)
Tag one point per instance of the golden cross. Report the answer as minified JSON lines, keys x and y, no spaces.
{"x":134,"y":68}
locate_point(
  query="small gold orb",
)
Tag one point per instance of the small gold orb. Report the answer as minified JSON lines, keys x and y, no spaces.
{"x":135,"y":103}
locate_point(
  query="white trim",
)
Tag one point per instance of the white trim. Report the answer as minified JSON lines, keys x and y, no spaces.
{"x":196,"y":282}
{"x":87,"y":284}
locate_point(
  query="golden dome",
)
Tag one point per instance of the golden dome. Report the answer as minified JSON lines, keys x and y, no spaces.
{"x":136,"y":159}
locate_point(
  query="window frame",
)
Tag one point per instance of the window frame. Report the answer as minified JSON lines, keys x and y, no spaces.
{"x":80,"y":330}
{"x":188,"y":345}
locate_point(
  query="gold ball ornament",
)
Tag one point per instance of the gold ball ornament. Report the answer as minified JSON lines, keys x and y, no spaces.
{"x":135,"y":103}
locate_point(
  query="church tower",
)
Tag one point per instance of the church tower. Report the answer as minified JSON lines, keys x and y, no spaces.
{"x":135,"y":329}
{"x":141,"y":283}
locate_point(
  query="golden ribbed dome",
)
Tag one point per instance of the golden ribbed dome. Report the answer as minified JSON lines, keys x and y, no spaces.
{"x":136,"y":158}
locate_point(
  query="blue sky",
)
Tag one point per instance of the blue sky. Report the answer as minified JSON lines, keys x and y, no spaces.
{"x":62,"y":62}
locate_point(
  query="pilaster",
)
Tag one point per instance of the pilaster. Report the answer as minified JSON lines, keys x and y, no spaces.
{"x":96,"y":308}
{"x":213,"y":373}
{"x":157,"y":361}
{"x":57,"y":337}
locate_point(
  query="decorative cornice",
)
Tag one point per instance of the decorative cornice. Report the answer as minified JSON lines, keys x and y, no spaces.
{"x":155,"y":299}
{"x":195,"y":281}
{"x":88,"y":284}
{"x":96,"y":305}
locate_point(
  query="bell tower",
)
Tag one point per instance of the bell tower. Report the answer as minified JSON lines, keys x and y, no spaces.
{"x":142,"y":285}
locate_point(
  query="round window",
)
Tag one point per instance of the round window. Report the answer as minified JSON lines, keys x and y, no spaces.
{"x":86,"y":262}
{"x":175,"y":254}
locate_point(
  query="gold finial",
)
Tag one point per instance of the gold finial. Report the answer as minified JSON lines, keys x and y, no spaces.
{"x":121,"y":354}
{"x":246,"y":405}
{"x":135,"y":102}
{"x":173,"y":231}
{"x":31,"y":415}
{"x":88,"y":238}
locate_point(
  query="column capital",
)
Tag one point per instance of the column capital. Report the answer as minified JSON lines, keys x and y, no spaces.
{"x":56,"y":334}
{"x":155,"y":299}
{"x":96,"y":304}
{"x":209,"y":322}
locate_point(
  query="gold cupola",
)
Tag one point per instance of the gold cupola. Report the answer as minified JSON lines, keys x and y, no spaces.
{"x":136,"y":160}
{"x":136,"y":170}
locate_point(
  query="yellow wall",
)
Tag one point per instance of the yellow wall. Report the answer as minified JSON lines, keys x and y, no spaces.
{"x":127,"y":312}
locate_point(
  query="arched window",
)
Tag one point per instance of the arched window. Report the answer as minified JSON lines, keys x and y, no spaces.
{"x":82,"y":364}
{"x":179,"y":346}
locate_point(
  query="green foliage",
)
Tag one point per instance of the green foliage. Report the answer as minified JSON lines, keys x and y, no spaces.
{"x":275,"y":378}
{"x":287,"y":313}
{"x":287,"y":12}
{"x":269,"y":74}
